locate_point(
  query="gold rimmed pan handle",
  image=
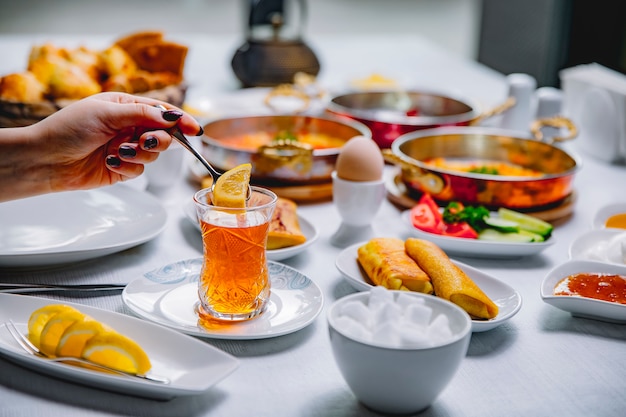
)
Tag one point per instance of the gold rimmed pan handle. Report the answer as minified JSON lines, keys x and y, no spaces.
{"x":558,"y":122}
{"x":287,"y":90}
{"x":508,"y":103}
{"x":429,"y":181}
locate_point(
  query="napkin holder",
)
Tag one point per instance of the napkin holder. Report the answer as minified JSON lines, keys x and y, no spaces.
{"x":594,"y":98}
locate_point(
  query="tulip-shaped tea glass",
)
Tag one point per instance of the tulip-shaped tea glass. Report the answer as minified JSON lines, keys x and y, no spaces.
{"x":234,"y":282}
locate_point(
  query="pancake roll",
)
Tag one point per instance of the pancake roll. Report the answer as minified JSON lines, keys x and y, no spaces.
{"x":449,"y":281}
{"x":386,"y":263}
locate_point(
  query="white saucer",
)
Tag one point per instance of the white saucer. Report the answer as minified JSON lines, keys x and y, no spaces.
{"x":506,"y":298}
{"x":602,"y":215}
{"x":74,"y":226}
{"x":308,"y":229}
{"x":168,"y":296}
{"x":602,"y":245}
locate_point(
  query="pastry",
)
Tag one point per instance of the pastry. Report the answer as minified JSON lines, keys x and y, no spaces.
{"x":284,"y":227}
{"x":386,"y":263}
{"x":449,"y":281}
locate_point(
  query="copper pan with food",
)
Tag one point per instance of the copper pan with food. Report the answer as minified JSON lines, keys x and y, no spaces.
{"x":284,"y":149}
{"x":486,"y":166}
{"x":392,"y":113}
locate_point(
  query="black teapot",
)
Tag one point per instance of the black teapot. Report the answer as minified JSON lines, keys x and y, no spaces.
{"x":274,"y":50}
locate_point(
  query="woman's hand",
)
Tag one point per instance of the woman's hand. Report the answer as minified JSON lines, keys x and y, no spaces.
{"x":97,"y":141}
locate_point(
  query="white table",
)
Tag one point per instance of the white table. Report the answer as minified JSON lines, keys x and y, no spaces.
{"x":543,"y":362}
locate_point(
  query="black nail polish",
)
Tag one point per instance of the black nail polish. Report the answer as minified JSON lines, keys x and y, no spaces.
{"x":127,"y":152}
{"x":113,"y":161}
{"x":200,"y":132}
{"x":151,"y":142}
{"x":172,"y":115}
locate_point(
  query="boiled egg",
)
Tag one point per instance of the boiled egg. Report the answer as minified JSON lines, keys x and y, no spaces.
{"x":360,"y":159}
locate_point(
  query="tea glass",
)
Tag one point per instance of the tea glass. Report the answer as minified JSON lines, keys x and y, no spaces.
{"x":234,"y":282}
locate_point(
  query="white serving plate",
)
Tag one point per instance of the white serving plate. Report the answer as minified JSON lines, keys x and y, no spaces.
{"x":478,"y":248}
{"x":169,"y":296}
{"x":192,"y":366}
{"x":508,"y":300}
{"x":581,"y":306}
{"x":75,"y":226}
{"x":607,"y":211}
{"x":602,"y":245}
{"x":308,"y":229}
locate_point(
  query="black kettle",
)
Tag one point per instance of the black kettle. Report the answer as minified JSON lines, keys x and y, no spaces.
{"x":274,"y":50}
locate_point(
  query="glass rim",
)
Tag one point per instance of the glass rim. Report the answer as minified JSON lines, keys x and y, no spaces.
{"x":254,"y":188}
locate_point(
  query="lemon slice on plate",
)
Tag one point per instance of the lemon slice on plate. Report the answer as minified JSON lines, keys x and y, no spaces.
{"x":117,"y":351}
{"x":55,"y":327}
{"x":75,"y":337}
{"x":231,"y":188}
{"x":40,"y":317}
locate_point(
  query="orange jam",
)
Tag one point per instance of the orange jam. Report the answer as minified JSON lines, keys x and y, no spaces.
{"x":606,"y":287}
{"x":617,"y":221}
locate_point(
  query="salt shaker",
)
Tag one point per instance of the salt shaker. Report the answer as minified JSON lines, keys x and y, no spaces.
{"x":521,"y":88}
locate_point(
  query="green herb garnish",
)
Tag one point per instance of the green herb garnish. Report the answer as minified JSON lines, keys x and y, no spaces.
{"x":474,"y":216}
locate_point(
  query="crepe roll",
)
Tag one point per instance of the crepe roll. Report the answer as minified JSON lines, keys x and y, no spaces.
{"x":386,"y":263}
{"x":449,"y":281}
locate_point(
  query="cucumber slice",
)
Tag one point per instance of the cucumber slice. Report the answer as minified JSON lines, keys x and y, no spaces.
{"x":535,"y":236}
{"x":495,"y":236}
{"x":526,"y":222}
{"x":502,"y":225}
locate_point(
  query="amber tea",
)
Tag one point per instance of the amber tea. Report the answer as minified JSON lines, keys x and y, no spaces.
{"x":234,"y":282}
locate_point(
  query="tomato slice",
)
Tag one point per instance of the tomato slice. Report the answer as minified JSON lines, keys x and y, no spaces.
{"x":460,"y":230}
{"x":425,"y":215}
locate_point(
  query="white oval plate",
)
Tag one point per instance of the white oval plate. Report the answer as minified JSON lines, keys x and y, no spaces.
{"x":169,"y":296}
{"x":75,"y":226}
{"x":308,"y":229}
{"x":191,"y":365}
{"x":581,"y":306}
{"x":478,"y":248}
{"x":602,"y":245}
{"x":607,"y":211}
{"x":506,"y":298}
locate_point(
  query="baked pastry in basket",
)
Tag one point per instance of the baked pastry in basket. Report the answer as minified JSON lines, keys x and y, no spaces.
{"x":142,"y":63}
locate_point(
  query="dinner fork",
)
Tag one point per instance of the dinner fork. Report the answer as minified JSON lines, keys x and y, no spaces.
{"x":33,"y":350}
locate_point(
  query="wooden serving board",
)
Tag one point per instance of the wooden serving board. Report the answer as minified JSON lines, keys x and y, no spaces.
{"x":298,"y":193}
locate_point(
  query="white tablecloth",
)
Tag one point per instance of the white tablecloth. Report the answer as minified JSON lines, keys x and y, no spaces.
{"x":543,"y":362}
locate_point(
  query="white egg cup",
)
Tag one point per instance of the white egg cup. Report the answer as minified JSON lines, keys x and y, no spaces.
{"x":358,"y":203}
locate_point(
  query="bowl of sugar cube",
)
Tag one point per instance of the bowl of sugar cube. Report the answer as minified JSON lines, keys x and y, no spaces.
{"x":397,"y":350}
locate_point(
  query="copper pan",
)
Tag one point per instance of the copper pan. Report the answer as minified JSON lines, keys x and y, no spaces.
{"x":410,"y":151}
{"x":392,"y":113}
{"x":279,"y":163}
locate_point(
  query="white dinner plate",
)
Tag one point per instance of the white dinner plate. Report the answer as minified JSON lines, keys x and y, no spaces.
{"x":506,"y":298}
{"x":605,"y":212}
{"x":191,"y":365}
{"x":169,"y":296}
{"x":75,"y":226}
{"x":582,"y":306}
{"x":602,"y":245}
{"x":478,"y":248}
{"x":308,"y":229}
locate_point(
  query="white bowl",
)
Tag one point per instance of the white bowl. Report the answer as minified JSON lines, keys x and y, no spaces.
{"x":399,"y":380}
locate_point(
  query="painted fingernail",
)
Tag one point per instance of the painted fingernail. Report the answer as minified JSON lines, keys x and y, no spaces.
{"x":127,"y":151}
{"x":151,"y":142}
{"x":113,"y":161}
{"x":172,"y":115}
{"x":200,"y":132}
